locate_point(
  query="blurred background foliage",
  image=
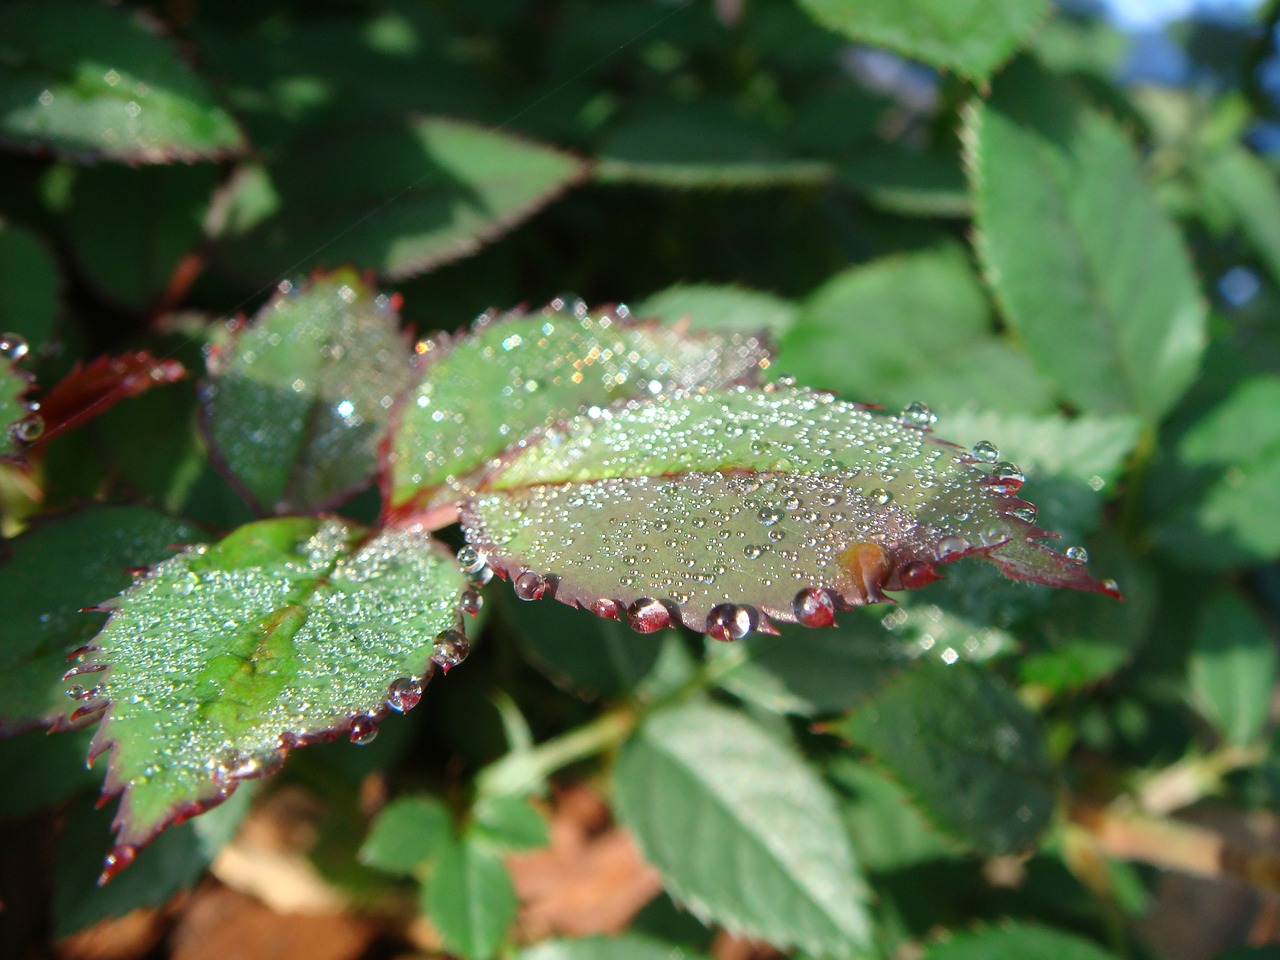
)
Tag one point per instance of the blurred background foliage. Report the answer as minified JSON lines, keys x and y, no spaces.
{"x":1058,"y":226}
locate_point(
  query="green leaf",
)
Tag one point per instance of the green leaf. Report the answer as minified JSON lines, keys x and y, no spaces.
{"x":41,"y":770}
{"x":130,"y":228}
{"x":874,"y":333}
{"x":1233,"y":669}
{"x":963,"y":744}
{"x":909,"y":182}
{"x":296,"y":405}
{"x":41,"y":599}
{"x":91,"y":80}
{"x":174,"y":863}
{"x":709,"y":306}
{"x":1083,"y":302}
{"x":469,"y":898}
{"x":486,"y":391}
{"x":1246,"y":184}
{"x":702,"y":148}
{"x":225,"y":657}
{"x":742,"y":831}
{"x":650,"y":510}
{"x":400,"y":198}
{"x":1015,"y":942}
{"x":1224,"y":467}
{"x":407,"y":832}
{"x":629,"y":946}
{"x":18,"y":425}
{"x":509,"y":823}
{"x":971,"y":37}
{"x":29,"y":284}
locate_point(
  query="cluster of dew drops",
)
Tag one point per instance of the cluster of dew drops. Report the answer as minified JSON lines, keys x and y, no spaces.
{"x":30,"y":428}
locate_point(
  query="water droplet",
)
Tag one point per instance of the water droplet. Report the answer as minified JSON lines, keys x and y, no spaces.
{"x":450,"y":649}
{"x":470,"y":560}
{"x":1027,"y":513}
{"x":986,"y":451}
{"x":403,"y":694}
{"x":813,"y":607}
{"x":918,"y":415}
{"x":768,"y":516}
{"x":364,"y":729}
{"x":752,"y":551}
{"x":1078,"y":554}
{"x":785,"y":381}
{"x":647,"y":615}
{"x":728,"y":621}
{"x":1006,"y":477}
{"x":880,"y":496}
{"x":185,"y":584}
{"x":470,"y":602}
{"x":29,"y":429}
{"x":75,"y":692}
{"x":994,"y":532}
{"x":13,"y":347}
{"x":950,"y":546}
{"x":529,"y":586}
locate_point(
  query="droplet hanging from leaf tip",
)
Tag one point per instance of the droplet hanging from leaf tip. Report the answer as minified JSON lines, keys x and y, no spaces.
{"x":364,"y":730}
{"x":13,"y":347}
{"x":729,"y":621}
{"x":404,"y":694}
{"x":450,"y":649}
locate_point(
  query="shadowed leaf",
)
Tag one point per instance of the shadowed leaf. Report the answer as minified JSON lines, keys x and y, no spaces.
{"x":483,"y":392}
{"x":1016,"y":942}
{"x":724,"y":510}
{"x":88,"y":80}
{"x":223,"y":658}
{"x":297,"y":403}
{"x":29,"y":284}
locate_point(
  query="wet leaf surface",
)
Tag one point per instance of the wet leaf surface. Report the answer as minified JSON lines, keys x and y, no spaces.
{"x":94,"y":80}
{"x":511,"y":374}
{"x":19,"y":425}
{"x":222,"y":659}
{"x":297,"y":403}
{"x":725,"y":511}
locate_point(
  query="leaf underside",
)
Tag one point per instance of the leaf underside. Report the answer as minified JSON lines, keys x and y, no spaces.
{"x":222,"y":659}
{"x":512,"y":374}
{"x":297,"y":403}
{"x":783,"y":504}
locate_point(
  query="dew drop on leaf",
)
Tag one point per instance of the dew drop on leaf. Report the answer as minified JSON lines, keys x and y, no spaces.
{"x":364,"y":729}
{"x":403,"y":694}
{"x":29,"y":429}
{"x":450,"y":649}
{"x":729,"y":621}
{"x":918,"y":415}
{"x":471,"y":602}
{"x":951,"y":546}
{"x":813,"y":607}
{"x":1078,"y":554}
{"x":647,"y":615}
{"x":986,"y":451}
{"x":13,"y":347}
{"x":529,"y":586}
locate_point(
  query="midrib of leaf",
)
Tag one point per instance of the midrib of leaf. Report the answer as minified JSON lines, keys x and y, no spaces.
{"x":727,"y":807}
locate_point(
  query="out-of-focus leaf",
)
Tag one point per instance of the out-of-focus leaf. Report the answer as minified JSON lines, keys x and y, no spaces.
{"x":55,"y":569}
{"x":629,"y":946}
{"x":971,"y":37}
{"x":469,"y":897}
{"x":41,"y":770}
{"x":1016,"y":942}
{"x":129,"y":229}
{"x":710,"y":307}
{"x":223,"y":658}
{"x":407,"y":832}
{"x":296,"y":405}
{"x":1247,"y":185}
{"x":964,"y":745}
{"x":19,"y":426}
{"x":396,"y":198}
{"x":487,"y":391}
{"x":174,"y":863}
{"x":909,"y":182}
{"x":712,"y":149}
{"x":1081,"y":45}
{"x":91,"y":390}
{"x":1224,"y":468}
{"x":29,"y":283}
{"x":1233,"y":669}
{"x":650,"y":510}
{"x":742,"y":830}
{"x":1090,"y":271}
{"x":509,"y":823}
{"x":907,"y":328}
{"x":87,"y":79}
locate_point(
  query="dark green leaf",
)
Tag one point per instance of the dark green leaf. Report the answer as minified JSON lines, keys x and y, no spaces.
{"x":407,"y":832}
{"x":226,"y":656}
{"x":910,"y":182}
{"x":29,"y":282}
{"x":88,"y":79}
{"x":964,"y":745}
{"x":485,"y":392}
{"x":625,"y":947}
{"x":1247,"y":186}
{"x":399,"y":198}
{"x":297,"y":403}
{"x":651,"y":510}
{"x":55,"y":569}
{"x":509,"y":823}
{"x":130,"y":228}
{"x":706,"y":306}
{"x":40,"y":770}
{"x":1072,"y":239}
{"x":1016,"y":942}
{"x":743,"y":832}
{"x":469,"y":898}
{"x":972,"y":37}
{"x":1233,"y":669}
